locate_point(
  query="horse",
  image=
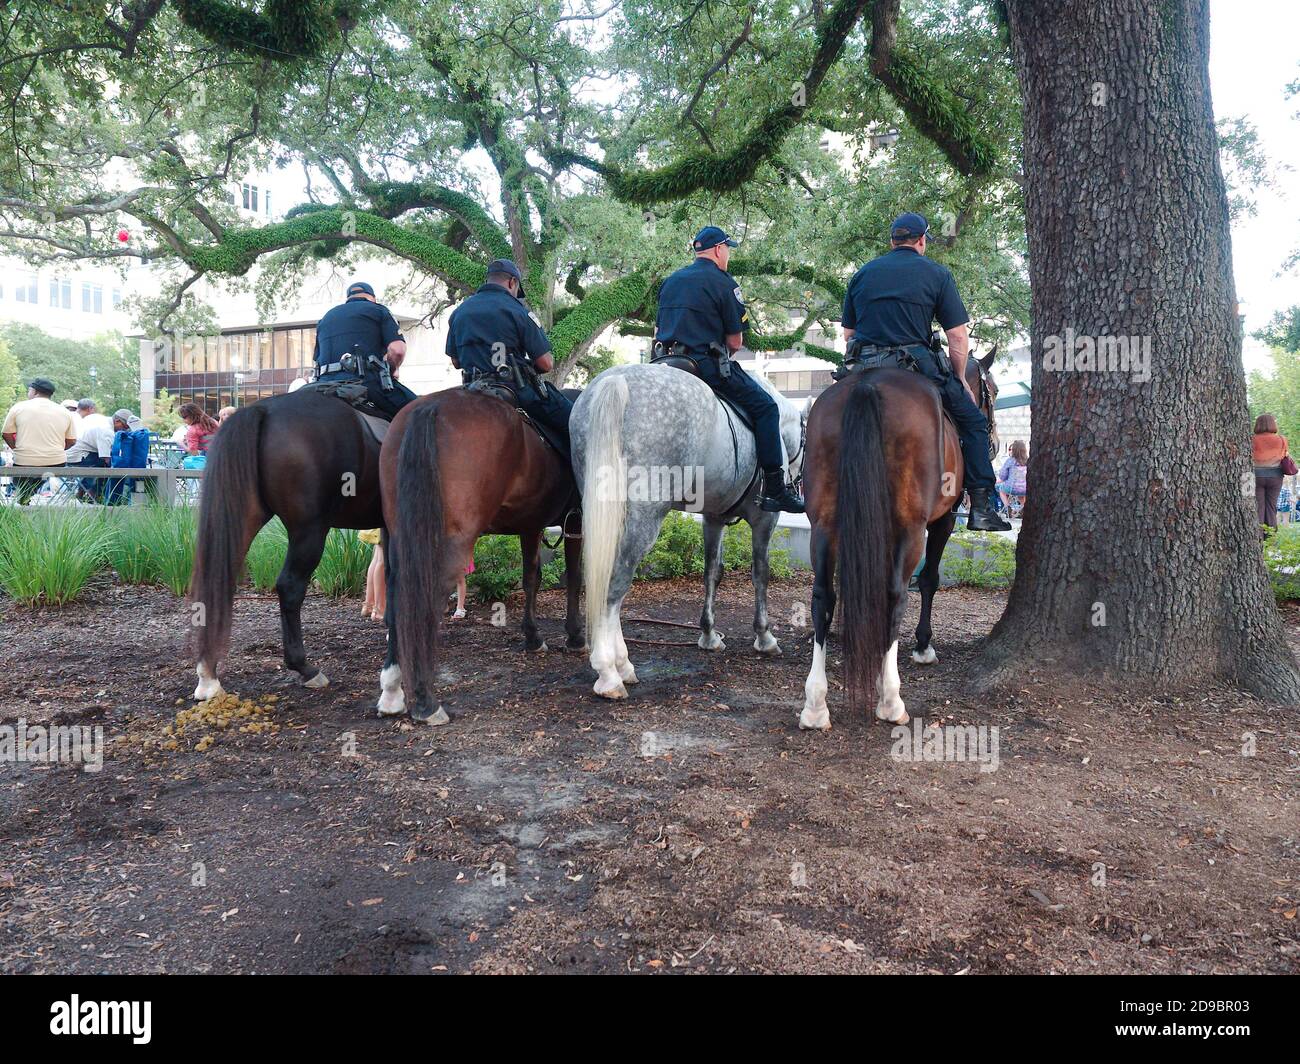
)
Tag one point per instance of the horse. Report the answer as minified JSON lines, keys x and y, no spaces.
{"x":305,"y":457}
{"x":652,"y":438}
{"x":883,"y":475}
{"x":457,"y":465}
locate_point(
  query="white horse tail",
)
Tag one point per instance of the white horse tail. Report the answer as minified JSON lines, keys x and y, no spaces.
{"x":604,"y":492}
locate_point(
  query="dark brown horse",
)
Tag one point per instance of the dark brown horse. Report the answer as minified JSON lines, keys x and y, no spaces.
{"x":305,"y":457}
{"x":457,"y":465}
{"x":883,"y":473}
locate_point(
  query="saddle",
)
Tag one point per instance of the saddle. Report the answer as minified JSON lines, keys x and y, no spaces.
{"x":688,"y":364}
{"x":503,"y":388}
{"x":355,"y":395}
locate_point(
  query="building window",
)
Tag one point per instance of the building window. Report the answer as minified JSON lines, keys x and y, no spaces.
{"x":26,"y":291}
{"x":250,"y":197}
{"x":92,"y":298}
{"x":266,"y":202}
{"x":61,"y":293}
{"x":117,"y":298}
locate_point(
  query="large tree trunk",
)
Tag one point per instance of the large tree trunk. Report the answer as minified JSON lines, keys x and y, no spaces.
{"x":1139,"y":560}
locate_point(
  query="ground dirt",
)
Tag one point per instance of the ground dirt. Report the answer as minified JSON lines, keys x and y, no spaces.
{"x":690,"y":828}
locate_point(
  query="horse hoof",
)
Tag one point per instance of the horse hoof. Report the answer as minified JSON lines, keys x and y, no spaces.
{"x":713,"y":641}
{"x":893,"y":713}
{"x":925,"y":657}
{"x":435,"y":719}
{"x":769,"y":648}
{"x":391,"y":706}
{"x":208,"y":689}
{"x":614,"y":692}
{"x":815,"y":719}
{"x":317,"y":681}
{"x":541,"y":648}
{"x":579,"y":644}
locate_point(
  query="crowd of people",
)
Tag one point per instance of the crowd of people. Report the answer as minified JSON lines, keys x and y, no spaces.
{"x":44,"y":434}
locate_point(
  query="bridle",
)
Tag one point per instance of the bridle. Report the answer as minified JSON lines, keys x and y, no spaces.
{"x":797,"y":482}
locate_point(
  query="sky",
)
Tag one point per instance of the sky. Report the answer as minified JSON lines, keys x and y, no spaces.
{"x":1254,"y":54}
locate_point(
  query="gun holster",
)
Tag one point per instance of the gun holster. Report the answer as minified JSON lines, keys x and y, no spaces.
{"x":720,"y":352}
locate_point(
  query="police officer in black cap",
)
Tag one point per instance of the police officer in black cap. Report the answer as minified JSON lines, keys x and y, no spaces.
{"x":890,"y":304}
{"x":702,"y":315}
{"x":360,"y":340}
{"x":492,"y":334}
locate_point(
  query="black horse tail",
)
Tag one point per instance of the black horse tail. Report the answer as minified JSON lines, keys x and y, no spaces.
{"x":230,"y":513}
{"x":864,"y":520}
{"x":417,"y":549}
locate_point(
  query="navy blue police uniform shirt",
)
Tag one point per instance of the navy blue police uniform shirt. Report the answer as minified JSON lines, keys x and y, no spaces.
{"x":489,"y":317}
{"x":698,"y":305}
{"x":357,"y":325}
{"x":893,"y":299}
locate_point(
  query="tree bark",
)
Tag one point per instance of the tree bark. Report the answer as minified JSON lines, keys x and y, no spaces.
{"x":1139,"y":561}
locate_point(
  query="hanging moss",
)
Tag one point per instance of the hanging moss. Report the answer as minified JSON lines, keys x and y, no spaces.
{"x":392,"y":198}
{"x":240,"y":248}
{"x":704,"y":171}
{"x":938,"y":114}
{"x":604,"y":304}
{"x":288,"y":29}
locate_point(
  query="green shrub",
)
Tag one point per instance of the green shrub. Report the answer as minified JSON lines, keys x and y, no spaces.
{"x":342,"y":569}
{"x":1282,"y":558}
{"x":129,"y":552}
{"x":266,"y":555}
{"x":499,"y":569}
{"x":679,"y":550}
{"x":169,"y":534}
{"x":977,"y":559}
{"x":47,"y":556}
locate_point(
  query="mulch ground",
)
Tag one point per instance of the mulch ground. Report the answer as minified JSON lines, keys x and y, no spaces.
{"x":691,"y":828}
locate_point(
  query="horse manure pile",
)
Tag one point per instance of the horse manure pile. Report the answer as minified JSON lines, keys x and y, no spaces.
{"x":223,"y":713}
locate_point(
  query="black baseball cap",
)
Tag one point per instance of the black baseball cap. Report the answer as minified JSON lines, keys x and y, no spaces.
{"x":710,"y":237}
{"x":909,"y":226}
{"x":42,"y":384}
{"x":357,"y":288}
{"x":507,"y":266}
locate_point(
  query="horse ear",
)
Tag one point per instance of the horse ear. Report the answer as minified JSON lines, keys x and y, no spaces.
{"x":987,"y":360}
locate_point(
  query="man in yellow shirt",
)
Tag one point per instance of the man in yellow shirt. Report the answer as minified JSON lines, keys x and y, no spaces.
{"x":39,"y":431}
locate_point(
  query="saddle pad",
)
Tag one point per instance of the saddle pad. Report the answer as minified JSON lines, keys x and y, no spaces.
{"x":378,"y":426}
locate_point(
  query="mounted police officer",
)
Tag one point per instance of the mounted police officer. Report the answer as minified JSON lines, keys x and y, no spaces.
{"x":492,"y":334}
{"x":359,"y":341}
{"x":889,"y":305}
{"x":702,"y":315}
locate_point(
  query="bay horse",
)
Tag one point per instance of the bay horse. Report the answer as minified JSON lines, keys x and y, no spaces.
{"x":883,"y":475}
{"x":648,"y":439}
{"x":457,"y":465}
{"x":305,"y":457}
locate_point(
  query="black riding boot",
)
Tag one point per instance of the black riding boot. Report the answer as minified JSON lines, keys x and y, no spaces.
{"x":777,"y":495}
{"x":983,"y":517}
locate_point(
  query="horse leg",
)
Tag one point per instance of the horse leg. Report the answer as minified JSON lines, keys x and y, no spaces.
{"x":609,"y":650}
{"x":306,"y":545}
{"x":890,"y":707}
{"x":761,"y":527}
{"x":392,"y":700}
{"x":816,"y":714}
{"x":577,"y":638}
{"x":710,"y":638}
{"x":530,"y":544}
{"x":935,"y":541}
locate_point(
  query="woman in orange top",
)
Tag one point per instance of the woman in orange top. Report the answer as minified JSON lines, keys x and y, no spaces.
{"x":1268,"y":448}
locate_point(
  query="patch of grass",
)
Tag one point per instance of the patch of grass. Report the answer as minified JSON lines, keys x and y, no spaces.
{"x":1282,"y":559}
{"x":266,"y":555}
{"x":978,"y":559}
{"x":128,"y":551}
{"x":342,"y":569}
{"x":47,"y":556}
{"x":169,"y":535}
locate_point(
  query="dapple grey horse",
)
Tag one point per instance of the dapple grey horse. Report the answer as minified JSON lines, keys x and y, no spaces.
{"x":648,"y":439}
